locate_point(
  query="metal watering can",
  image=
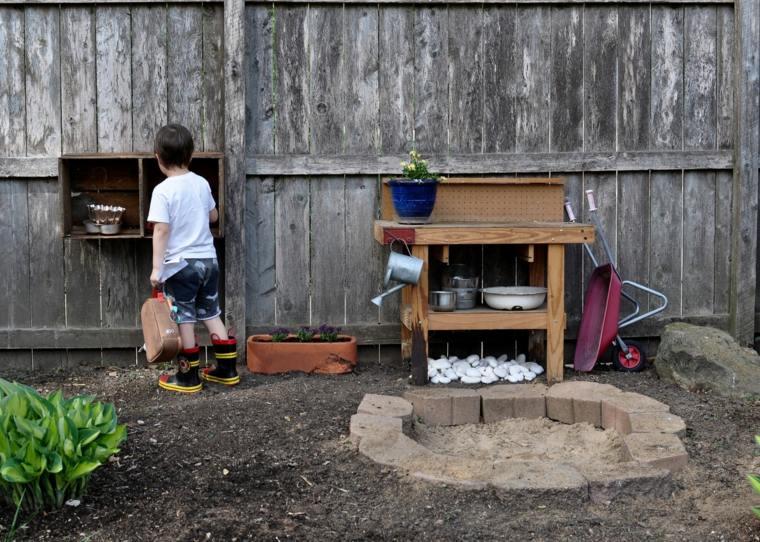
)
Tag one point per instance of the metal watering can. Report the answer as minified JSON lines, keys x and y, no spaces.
{"x":403,"y":269}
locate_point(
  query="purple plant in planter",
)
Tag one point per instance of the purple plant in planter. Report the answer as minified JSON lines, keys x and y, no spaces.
{"x":279,"y":334}
{"x":327,"y":333}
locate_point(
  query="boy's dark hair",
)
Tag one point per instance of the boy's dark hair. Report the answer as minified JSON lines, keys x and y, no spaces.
{"x":174,"y":145}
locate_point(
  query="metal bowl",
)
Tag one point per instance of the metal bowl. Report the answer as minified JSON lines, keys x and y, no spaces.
{"x":91,"y":227}
{"x":442,"y":301}
{"x":110,"y":229}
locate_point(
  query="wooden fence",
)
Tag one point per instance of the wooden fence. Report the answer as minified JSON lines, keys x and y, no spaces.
{"x":654,"y":106}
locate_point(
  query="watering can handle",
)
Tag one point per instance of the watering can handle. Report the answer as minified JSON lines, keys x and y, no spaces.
{"x":569,"y":210}
{"x":408,"y":250}
{"x":591,"y":202}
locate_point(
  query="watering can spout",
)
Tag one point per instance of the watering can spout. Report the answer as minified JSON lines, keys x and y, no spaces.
{"x":378,"y":300}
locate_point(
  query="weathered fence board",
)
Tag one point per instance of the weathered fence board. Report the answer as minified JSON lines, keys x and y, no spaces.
{"x":360,"y":76}
{"x":725,"y":83}
{"x":259,"y":102}
{"x":634,"y":52}
{"x":184,"y":65}
{"x":149,"y":74}
{"x":600,"y":81}
{"x":533,"y":36}
{"x":12,"y":105}
{"x":666,"y":123}
{"x":396,"y":79}
{"x":213,"y":76}
{"x":465,"y":79}
{"x":700,"y":75}
{"x":328,"y":270}
{"x":567,"y":79}
{"x":431,"y":96}
{"x":114,"y":51}
{"x":260,"y":239}
{"x":326,"y":98}
{"x":666,"y":213}
{"x":723,"y":207}
{"x":14,"y":255}
{"x":292,"y":61}
{"x":633,"y":228}
{"x":78,"y":80}
{"x":43,"y":81}
{"x":499,"y":79}
{"x":698,"y":242}
{"x":292,"y":250}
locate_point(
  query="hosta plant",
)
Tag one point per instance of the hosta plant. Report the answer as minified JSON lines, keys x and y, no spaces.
{"x":754,"y":480}
{"x":49,"y":446}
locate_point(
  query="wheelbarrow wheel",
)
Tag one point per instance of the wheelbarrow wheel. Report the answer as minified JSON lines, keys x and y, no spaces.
{"x":633,"y":364}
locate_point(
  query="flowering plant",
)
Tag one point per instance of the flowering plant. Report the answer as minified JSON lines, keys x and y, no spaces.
{"x":280,"y":334}
{"x":327,"y":333}
{"x":417,"y":168}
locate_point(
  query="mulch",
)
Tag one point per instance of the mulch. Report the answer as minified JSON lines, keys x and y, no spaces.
{"x":269,"y":460}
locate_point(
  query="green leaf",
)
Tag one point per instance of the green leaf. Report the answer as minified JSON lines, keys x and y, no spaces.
{"x":754,"y":480}
{"x":54,"y":463}
{"x":29,"y":428}
{"x":112,"y":440}
{"x":82,"y":469}
{"x":87,"y":435}
{"x":757,"y":439}
{"x":12,"y":471}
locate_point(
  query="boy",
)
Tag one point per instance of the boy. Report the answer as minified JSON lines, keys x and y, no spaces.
{"x":184,"y":261}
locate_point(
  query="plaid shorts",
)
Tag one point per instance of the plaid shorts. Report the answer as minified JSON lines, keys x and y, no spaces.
{"x":194,"y":291}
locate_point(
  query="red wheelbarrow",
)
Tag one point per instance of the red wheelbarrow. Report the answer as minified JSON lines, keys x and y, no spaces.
{"x":600,"y":323}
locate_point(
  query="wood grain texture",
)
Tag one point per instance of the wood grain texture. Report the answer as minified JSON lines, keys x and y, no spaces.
{"x":149,"y":78}
{"x":725,"y":82}
{"x":120,"y":305}
{"x":362,"y":252}
{"x":328,"y":268}
{"x":666,"y":122}
{"x":555,"y":317}
{"x":184,"y":69}
{"x":396,"y":79}
{"x":82,"y":283}
{"x":43,"y":81}
{"x":600,"y":77}
{"x":12,"y":80}
{"x":78,"y":94}
{"x":260,"y":241}
{"x":723,"y":223}
{"x":575,"y":255}
{"x":292,"y":250}
{"x":633,"y":230}
{"x":666,"y":212}
{"x":604,"y":186}
{"x":532,"y":114}
{"x":291,"y":59}
{"x":745,"y":188}
{"x":391,"y":2}
{"x":499,"y":78}
{"x":326,"y":97}
{"x":700,"y":75}
{"x":213,"y":78}
{"x":634,"y":67}
{"x":114,"y":78}
{"x":479,"y":164}
{"x":14,"y":255}
{"x":465,"y":79}
{"x":259,"y":102}
{"x":234,"y":166}
{"x":360,"y":76}
{"x":698,"y":242}
{"x":567,"y":79}
{"x":45,"y":255}
{"x":431,"y":93}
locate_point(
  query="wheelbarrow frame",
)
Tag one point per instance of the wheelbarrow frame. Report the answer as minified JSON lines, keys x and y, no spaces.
{"x":635,"y":315}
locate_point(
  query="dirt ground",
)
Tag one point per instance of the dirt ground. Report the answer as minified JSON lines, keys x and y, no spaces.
{"x":269,"y":461}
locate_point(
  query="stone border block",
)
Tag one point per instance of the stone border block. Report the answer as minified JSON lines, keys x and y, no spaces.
{"x":577,"y":401}
{"x":387,"y":405}
{"x":656,"y":422}
{"x":362,"y":425}
{"x":432,"y":406}
{"x":498,"y":403}
{"x":465,"y":406}
{"x":661,"y":450}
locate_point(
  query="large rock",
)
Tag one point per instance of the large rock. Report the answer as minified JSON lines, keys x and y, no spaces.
{"x":705,"y":358}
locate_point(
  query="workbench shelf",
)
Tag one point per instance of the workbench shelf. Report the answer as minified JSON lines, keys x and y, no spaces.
{"x":483,"y":318}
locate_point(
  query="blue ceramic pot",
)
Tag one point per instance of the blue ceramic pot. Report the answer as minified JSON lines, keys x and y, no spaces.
{"x":413,"y":199}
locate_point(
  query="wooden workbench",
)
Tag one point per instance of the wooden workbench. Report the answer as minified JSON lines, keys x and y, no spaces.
{"x":542,"y":245}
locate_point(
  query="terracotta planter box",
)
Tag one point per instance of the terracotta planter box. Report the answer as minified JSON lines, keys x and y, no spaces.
{"x":267,"y":357}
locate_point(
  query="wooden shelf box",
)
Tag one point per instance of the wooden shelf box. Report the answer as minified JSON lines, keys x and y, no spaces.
{"x":127,"y":180}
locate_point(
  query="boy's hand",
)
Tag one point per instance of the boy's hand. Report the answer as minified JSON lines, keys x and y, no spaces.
{"x":154,"y":278}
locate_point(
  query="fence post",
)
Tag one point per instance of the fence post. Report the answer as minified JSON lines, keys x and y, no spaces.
{"x":234,"y":166}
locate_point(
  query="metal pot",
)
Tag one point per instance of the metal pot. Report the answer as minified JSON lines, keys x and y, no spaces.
{"x":467,"y":298}
{"x":442,"y":300}
{"x":514,"y":297}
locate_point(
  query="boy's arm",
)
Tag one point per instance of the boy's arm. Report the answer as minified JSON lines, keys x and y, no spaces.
{"x":160,"y":239}
{"x":213,"y":215}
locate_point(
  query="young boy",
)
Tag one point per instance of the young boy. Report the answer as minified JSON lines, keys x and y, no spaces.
{"x":184,"y":261}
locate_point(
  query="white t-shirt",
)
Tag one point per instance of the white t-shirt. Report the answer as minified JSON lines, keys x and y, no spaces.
{"x":184,"y":203}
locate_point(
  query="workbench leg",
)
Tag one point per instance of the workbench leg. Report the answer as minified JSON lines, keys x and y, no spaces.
{"x":406,"y":324}
{"x":420,"y":292}
{"x":555,"y":304}
{"x":537,"y":277}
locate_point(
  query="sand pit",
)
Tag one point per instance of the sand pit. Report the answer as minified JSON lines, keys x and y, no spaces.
{"x":521,"y":439}
{"x":574,"y":440}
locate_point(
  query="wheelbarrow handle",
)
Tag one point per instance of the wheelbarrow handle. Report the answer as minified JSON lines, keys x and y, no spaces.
{"x":569,"y":210}
{"x":591,"y":201}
